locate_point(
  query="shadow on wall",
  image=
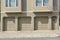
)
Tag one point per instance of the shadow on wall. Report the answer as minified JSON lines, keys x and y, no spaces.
{"x":24,"y":5}
{"x":16,"y":14}
{"x":0,"y":14}
{"x":55,"y":4}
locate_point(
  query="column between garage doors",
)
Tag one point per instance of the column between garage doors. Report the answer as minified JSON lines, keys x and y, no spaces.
{"x":16,"y":23}
{"x":50,"y":26}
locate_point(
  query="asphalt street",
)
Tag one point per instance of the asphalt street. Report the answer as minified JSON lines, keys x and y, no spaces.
{"x":52,"y":38}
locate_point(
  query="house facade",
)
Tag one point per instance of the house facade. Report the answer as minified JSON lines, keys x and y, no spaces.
{"x":29,"y":15}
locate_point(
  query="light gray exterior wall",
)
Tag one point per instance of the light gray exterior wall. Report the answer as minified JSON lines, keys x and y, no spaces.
{"x":27,"y":11}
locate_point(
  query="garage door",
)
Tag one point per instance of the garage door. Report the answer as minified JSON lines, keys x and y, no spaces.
{"x":24,"y":24}
{"x":41,"y":23}
{"x":9,"y":24}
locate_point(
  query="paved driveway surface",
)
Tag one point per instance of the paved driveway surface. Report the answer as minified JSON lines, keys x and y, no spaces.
{"x":55,"y":38}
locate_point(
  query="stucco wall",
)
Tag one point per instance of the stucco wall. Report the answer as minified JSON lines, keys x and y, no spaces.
{"x":27,"y":11}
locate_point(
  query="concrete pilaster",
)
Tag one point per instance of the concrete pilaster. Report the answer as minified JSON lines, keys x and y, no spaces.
{"x":16,"y":23}
{"x":32,"y":22}
{"x":50,"y":26}
{"x":57,"y":24}
{"x":1,"y":23}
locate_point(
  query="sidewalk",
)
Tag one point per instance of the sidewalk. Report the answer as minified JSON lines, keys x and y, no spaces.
{"x":29,"y":34}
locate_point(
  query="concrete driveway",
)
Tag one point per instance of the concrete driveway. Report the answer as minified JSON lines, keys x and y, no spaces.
{"x":30,"y":34}
{"x":52,"y":38}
